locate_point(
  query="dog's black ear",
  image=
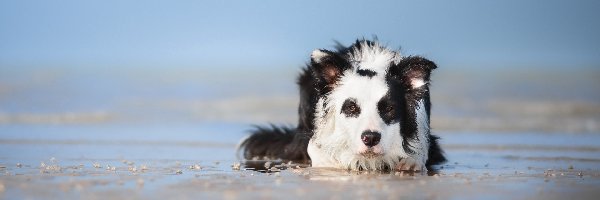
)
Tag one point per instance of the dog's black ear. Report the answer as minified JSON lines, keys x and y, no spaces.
{"x":413,"y":72}
{"x":327,"y":66}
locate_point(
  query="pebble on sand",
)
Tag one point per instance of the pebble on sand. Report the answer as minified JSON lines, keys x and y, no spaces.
{"x":132,"y":169}
{"x":236,"y":166}
{"x":195,"y":167}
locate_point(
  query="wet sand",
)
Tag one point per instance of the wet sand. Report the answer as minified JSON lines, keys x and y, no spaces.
{"x":53,"y":163}
{"x":175,"y":180}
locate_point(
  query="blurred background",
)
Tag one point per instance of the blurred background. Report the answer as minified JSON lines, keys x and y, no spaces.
{"x":85,"y":71}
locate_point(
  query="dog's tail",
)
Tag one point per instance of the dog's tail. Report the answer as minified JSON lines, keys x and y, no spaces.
{"x":275,"y":143}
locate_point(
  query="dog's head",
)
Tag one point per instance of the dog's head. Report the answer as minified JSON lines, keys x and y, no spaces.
{"x":366,"y":103}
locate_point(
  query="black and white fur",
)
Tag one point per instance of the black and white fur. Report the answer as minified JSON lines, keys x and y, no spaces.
{"x":362,"y":107}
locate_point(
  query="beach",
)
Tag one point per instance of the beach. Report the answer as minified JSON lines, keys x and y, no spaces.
{"x":81,"y":134}
{"x":488,"y":166}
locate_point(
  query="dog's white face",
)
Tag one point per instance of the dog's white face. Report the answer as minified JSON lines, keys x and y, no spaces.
{"x":355,"y":105}
{"x":359,"y":106}
{"x":358,"y":122}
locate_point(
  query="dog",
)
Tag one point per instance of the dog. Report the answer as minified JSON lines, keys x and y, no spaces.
{"x":362,"y":107}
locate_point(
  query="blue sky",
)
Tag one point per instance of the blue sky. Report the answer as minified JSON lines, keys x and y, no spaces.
{"x":210,"y":34}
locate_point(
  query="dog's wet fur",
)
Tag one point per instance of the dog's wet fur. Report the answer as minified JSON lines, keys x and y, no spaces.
{"x":362,"y":107}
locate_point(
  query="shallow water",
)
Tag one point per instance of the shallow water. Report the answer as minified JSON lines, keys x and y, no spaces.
{"x":197,"y":161}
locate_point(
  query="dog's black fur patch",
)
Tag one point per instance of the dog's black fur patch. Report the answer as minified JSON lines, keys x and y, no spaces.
{"x":366,"y":72}
{"x":388,"y":107}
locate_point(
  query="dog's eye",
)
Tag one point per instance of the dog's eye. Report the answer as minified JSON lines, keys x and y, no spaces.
{"x":389,"y":108}
{"x":350,"y":108}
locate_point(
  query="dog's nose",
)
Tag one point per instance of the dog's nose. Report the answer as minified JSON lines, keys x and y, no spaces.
{"x":370,"y":138}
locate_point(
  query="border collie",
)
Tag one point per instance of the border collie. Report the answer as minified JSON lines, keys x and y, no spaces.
{"x":362,"y":107}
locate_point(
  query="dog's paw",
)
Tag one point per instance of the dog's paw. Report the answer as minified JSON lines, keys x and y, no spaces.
{"x":411,"y":164}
